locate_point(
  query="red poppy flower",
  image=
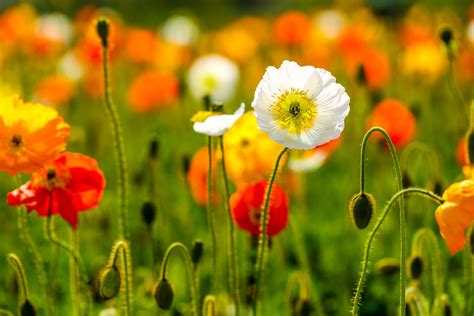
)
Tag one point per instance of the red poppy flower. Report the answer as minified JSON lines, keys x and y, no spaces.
{"x":247,"y":204}
{"x":394,"y":116}
{"x":72,"y":183}
{"x":292,"y":28}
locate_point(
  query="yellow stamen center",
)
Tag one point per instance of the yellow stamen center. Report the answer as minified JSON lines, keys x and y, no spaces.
{"x":294,"y":111}
{"x":210,"y":82}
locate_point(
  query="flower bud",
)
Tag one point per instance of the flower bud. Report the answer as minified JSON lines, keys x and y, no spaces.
{"x":438,"y":187}
{"x":361,"y":76}
{"x":196,"y":251}
{"x":27,"y":309}
{"x":154,"y":148}
{"x":163,"y":294}
{"x":148,"y":212}
{"x":103,"y":30}
{"x":406,"y":180}
{"x":415,"y":265}
{"x":251,"y":283}
{"x":448,"y":311}
{"x":387,"y":267}
{"x":361,"y":209}
{"x":446,"y":35}
{"x":304,"y":307}
{"x":109,"y":282}
{"x":186,"y":163}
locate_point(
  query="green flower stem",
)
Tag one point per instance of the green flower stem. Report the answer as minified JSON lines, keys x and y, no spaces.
{"x":418,"y":147}
{"x":121,"y":250}
{"x":189,"y":266}
{"x":468,"y":275}
{"x":209,"y":306}
{"x":425,"y":240}
{"x":15,"y":262}
{"x":263,"y":240}
{"x":233,"y":272}
{"x":455,"y":90}
{"x":297,"y":280}
{"x":417,"y":302}
{"x":401,"y":204}
{"x":22,"y":223}
{"x":210,"y":213}
{"x":73,"y":273}
{"x":119,"y":150}
{"x":51,"y":236}
{"x":373,"y":233}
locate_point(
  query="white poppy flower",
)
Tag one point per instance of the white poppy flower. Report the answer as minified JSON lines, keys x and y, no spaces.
{"x":216,"y":124}
{"x":300,"y":107}
{"x":215,"y":76}
{"x":180,"y":30}
{"x":55,"y":27}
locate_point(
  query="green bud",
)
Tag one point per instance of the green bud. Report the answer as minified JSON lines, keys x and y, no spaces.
{"x":109,"y":282}
{"x":361,"y":76}
{"x":387,"y":267}
{"x":304,"y":307}
{"x":102,"y":26}
{"x":196,"y":251}
{"x":163,"y":294}
{"x":27,"y":309}
{"x":415,"y":265}
{"x":361,"y":209}
{"x":406,"y":180}
{"x":448,"y":311}
{"x":446,"y":35}
{"x":154,"y":148}
{"x":148,"y":212}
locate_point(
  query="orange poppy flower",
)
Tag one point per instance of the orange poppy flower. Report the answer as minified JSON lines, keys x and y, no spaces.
{"x":292,"y":28}
{"x":55,"y":90}
{"x":72,"y":183}
{"x":152,"y":90}
{"x":376,"y":68}
{"x":247,"y":204}
{"x":456,"y":214}
{"x":140,"y":45}
{"x":31,"y":135}
{"x":197,"y":175}
{"x":396,"y":119}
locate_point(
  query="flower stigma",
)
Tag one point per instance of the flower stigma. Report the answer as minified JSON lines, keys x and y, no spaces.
{"x":294,"y":111}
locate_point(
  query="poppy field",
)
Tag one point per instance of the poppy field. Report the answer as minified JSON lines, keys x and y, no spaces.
{"x":257,"y":158}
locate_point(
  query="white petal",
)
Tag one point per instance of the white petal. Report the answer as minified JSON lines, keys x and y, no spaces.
{"x":217,"y":125}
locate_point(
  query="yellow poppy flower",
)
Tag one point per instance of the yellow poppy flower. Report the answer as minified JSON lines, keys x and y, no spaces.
{"x":31,"y":135}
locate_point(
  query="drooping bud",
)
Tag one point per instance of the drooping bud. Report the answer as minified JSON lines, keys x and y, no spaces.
{"x":361,"y":76}
{"x":196,"y":251}
{"x":108,"y":283}
{"x":164,"y":294}
{"x":304,"y":307}
{"x":448,"y":311}
{"x":148,"y":212}
{"x":415,"y":267}
{"x":102,"y":26}
{"x":361,"y":209}
{"x":406,"y":180}
{"x":387,"y":267}
{"x":186,"y":163}
{"x":438,"y":187}
{"x":446,"y":35}
{"x":27,"y":309}
{"x":154,"y":148}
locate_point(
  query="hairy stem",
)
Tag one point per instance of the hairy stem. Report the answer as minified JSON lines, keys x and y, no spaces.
{"x":398,"y":174}
{"x":121,"y":250}
{"x":210,"y":213}
{"x":233,"y":274}
{"x":16,"y":264}
{"x":263,"y":240}
{"x":373,"y":233}
{"x":189,"y":267}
